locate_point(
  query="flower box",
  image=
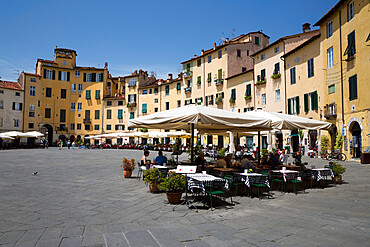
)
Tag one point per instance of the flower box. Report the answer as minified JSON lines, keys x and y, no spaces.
{"x":248,"y":97}
{"x":261,"y":82}
{"x":276,"y":76}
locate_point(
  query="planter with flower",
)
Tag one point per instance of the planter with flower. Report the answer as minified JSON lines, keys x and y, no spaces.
{"x":174,"y":185}
{"x":154,"y":177}
{"x":131,"y":104}
{"x":247,"y":97}
{"x":232,"y":101}
{"x":338,"y":171}
{"x":128,"y":166}
{"x":276,"y":76}
{"x":261,"y":82}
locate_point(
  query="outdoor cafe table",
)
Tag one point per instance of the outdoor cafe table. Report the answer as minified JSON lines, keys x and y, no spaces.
{"x":322,"y":172}
{"x":197,"y":180}
{"x":289,"y":167}
{"x":225,"y":170}
{"x":251,"y":177}
{"x":287,"y":174}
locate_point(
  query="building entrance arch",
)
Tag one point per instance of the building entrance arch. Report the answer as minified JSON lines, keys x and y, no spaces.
{"x":47,"y":130}
{"x":355,"y":143}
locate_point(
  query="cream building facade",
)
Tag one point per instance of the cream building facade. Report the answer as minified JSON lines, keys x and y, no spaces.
{"x":11,"y":106}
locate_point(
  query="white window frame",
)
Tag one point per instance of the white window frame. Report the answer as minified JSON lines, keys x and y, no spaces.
{"x":350,"y":11}
{"x":277,"y":95}
{"x":330,"y":57}
{"x":49,"y":74}
{"x":329,"y":29}
{"x":264,"y":99}
{"x":263,"y":56}
{"x":80,"y":88}
{"x":64,"y":76}
{"x":16,"y":122}
{"x":276,"y":49}
{"x":293,"y":105}
{"x":79,"y":106}
{"x":131,"y":98}
{"x":155,"y":100}
{"x":73,"y":106}
{"x":64,"y":62}
{"x":73,"y":89}
{"x":77,"y":73}
{"x":32,"y":90}
{"x":79,"y":126}
{"x":132,"y":82}
{"x":32,"y":107}
{"x":89,"y":77}
{"x":99,"y":77}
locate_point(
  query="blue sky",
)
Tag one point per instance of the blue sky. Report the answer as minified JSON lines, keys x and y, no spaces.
{"x":155,"y":35}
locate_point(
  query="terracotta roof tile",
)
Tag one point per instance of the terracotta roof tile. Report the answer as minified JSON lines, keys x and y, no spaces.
{"x":10,"y":85}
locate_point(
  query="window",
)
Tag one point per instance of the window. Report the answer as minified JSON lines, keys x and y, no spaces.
{"x":276,"y":49}
{"x":330,"y":57}
{"x":17,"y":94}
{"x":17,"y":106}
{"x":97,"y":94}
{"x":49,"y":74}
{"x":33,"y":79}
{"x":120,"y":102}
{"x":257,"y":40}
{"x":120,"y":127}
{"x":1,"y":122}
{"x":88,"y":94}
{"x":96,"y":127}
{"x":109,"y":103}
{"x":156,"y":109}
{"x":63,"y":93}
{"x":293,"y":105}
{"x":31,"y":114}
{"x":120,"y":114}
{"x":263,"y":56}
{"x":238,"y":53}
{"x":145,"y":91}
{"x":263,"y":74}
{"x":155,"y":90}
{"x":178,"y":103}
{"x":99,"y":77}
{"x":80,"y":88}
{"x":331,"y":89}
{"x":78,"y":126}
{"x":209,"y":77}
{"x":88,"y":77}
{"x":209,"y":58}
{"x":16,"y":123}
{"x":32,"y":107}
{"x":199,"y":62}
{"x":311,"y":101}
{"x":350,"y":11}
{"x":1,"y":104}
{"x":109,"y":114}
{"x":167,"y":90}
{"x":32,"y":90}
{"x":167,"y":105}
{"x":219,"y":54}
{"x":63,"y":76}
{"x":77,"y":73}
{"x":132,"y":98}
{"x":244,"y":69}
{"x":219,"y":74}
{"x":276,"y":68}
{"x":292,"y":76}
{"x":108,"y":127}
{"x":62,"y":117}
{"x":47,"y":112}
{"x":278,"y":95}
{"x":73,"y":89}
{"x":310,"y":68}
{"x":178,"y":86}
{"x":87,"y":127}
{"x":155,"y":100}
{"x":144,"y":108}
{"x":264,"y":99}
{"x":48,"y":92}
{"x":132,"y":115}
{"x":132,"y":82}
{"x":97,"y":114}
{"x":72,"y":126}
{"x":351,"y":47}
{"x":64,"y":62}
{"x":353,"y":87}
{"x":329,"y":29}
{"x":79,"y":106}
{"x":87,"y":114}
{"x":233,"y":94}
{"x":73,"y":106}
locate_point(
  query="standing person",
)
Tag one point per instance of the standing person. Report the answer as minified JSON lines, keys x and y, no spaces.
{"x":73,"y":145}
{"x":60,"y":144}
{"x":68,"y":144}
{"x":282,"y":157}
{"x":46,"y":143}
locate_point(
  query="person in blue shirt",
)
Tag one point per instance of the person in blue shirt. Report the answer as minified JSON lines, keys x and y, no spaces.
{"x":160,"y":159}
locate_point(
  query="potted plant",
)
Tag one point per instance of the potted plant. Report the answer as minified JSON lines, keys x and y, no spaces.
{"x":298,"y":160}
{"x":338,"y":171}
{"x":247,"y":97}
{"x":174,"y":185}
{"x":324,"y":146}
{"x":128,"y":166}
{"x":232,"y":101}
{"x":153,"y":177}
{"x":276,"y":76}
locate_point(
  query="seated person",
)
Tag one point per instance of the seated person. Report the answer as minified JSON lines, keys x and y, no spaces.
{"x":246,"y":164}
{"x":282,"y":157}
{"x":266,"y":162}
{"x":200,"y":162}
{"x":274,"y":160}
{"x":220,"y":163}
{"x":228,"y":160}
{"x":160,"y":159}
{"x":144,"y":160}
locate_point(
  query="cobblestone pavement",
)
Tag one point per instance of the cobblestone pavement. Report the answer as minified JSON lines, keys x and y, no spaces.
{"x":79,"y":198}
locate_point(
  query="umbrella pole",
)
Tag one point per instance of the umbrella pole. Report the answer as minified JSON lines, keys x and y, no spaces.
{"x":192,"y":144}
{"x":259,"y":147}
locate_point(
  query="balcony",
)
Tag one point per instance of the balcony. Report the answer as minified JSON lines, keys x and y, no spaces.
{"x":188,"y":74}
{"x":219,"y":81}
{"x":87,"y":121}
{"x":330,"y":111}
{"x":261,"y":82}
{"x":187,"y":89}
{"x":219,"y":101}
{"x":131,"y":104}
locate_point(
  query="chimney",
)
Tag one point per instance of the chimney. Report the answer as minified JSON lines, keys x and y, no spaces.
{"x":202,"y":52}
{"x":227,"y":40}
{"x":306,"y":27}
{"x":169,"y":76}
{"x":106,"y":65}
{"x":214,"y":46}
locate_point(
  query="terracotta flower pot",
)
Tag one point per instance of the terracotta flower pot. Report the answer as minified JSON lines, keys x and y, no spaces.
{"x":127,"y":174}
{"x":338,"y":179}
{"x":174,"y":197}
{"x":153,"y":187}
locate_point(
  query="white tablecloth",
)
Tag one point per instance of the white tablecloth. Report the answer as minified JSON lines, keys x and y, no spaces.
{"x":287,"y":174}
{"x":321,"y":172}
{"x":249,"y":178}
{"x":197,"y":180}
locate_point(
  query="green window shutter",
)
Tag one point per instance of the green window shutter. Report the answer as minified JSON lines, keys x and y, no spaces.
{"x":220,"y":74}
{"x":178,"y":86}
{"x":59,"y":75}
{"x":199,"y":62}
{"x":88,"y":94}
{"x":258,"y":78}
{"x":263,"y":74}
{"x":353,"y":87}
{"x":211,"y":99}
{"x":248,"y":91}
{"x":277,"y":68}
{"x":191,"y":82}
{"x":209,"y":79}
{"x":120,"y":111}
{"x":199,"y":79}
{"x":316,"y":101}
{"x":93,"y":77}
{"x":206,"y":100}
{"x":68,"y":76}
{"x":84,"y":77}
{"x":297,"y":104}
{"x":306,"y":102}
{"x":97,"y":94}
{"x":289,"y":106}
{"x":144,"y":108}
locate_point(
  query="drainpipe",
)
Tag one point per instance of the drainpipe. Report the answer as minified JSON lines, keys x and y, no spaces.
{"x":254,"y":88}
{"x":284,"y":66}
{"x":341,"y":64}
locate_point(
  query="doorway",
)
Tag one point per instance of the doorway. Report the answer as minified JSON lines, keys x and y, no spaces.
{"x":294,"y":140}
{"x":355,"y":130}
{"x":47,"y":130}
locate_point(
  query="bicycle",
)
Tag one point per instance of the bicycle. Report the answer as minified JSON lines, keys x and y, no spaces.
{"x":336,"y":156}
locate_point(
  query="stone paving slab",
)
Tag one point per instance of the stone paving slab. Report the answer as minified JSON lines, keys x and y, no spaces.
{"x":79,"y":198}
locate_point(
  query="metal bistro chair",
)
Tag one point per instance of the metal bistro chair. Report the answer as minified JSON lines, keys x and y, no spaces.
{"x":259,"y":182}
{"x":308,"y":175}
{"x":140,"y":172}
{"x":296,"y":181}
{"x":236,"y":181}
{"x":277,"y":178}
{"x":215,"y":188}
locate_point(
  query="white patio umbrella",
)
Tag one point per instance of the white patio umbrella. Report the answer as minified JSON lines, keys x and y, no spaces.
{"x":14,"y":134}
{"x":35,"y":134}
{"x":179,"y":134}
{"x":232,"y":145}
{"x":157,"y":134}
{"x":5,"y":137}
